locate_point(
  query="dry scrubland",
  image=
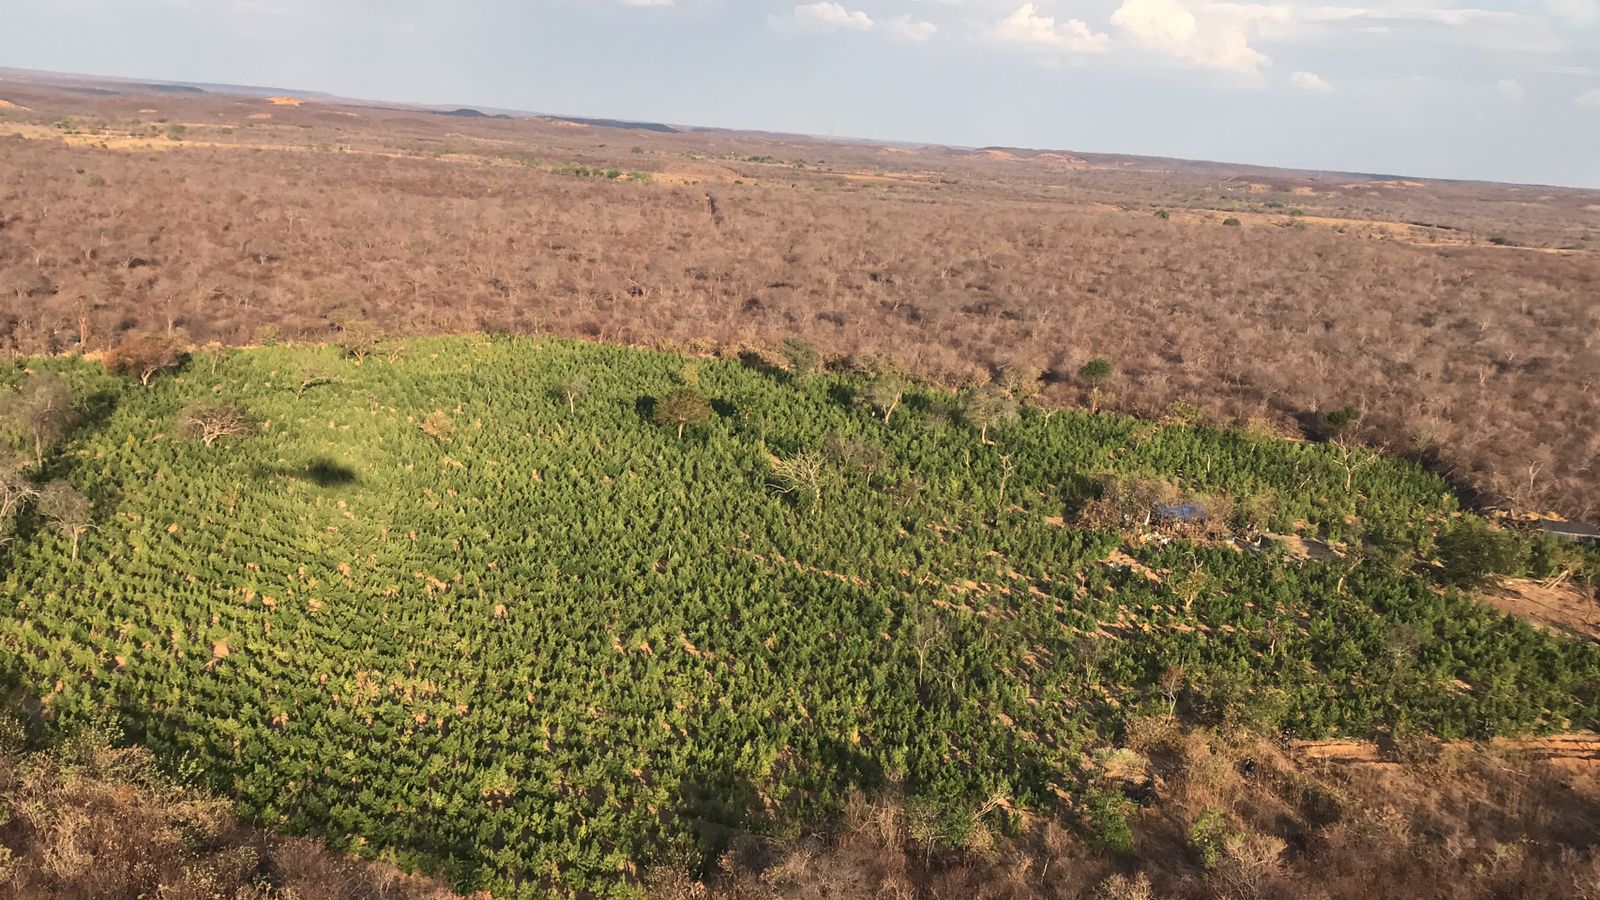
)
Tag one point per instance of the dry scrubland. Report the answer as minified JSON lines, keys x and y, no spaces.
{"x":1460,"y":317}
{"x":88,"y":821}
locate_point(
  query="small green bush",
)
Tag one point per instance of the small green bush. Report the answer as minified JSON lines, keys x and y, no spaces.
{"x":1209,"y":836}
{"x":1340,"y":421}
{"x":1472,"y":553}
{"x":1106,"y":816}
{"x":1095,"y":372}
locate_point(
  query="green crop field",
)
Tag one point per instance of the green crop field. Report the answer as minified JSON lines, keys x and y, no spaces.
{"x":436,"y":612}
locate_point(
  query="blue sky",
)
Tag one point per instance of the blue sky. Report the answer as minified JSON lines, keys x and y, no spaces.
{"x":1497,"y":89}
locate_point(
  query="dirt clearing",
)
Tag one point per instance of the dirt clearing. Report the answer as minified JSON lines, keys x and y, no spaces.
{"x":1560,"y":607}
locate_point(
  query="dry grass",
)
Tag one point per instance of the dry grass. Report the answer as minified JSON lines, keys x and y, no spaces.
{"x":1418,"y":820}
{"x":89,"y":821}
{"x":1444,"y":822}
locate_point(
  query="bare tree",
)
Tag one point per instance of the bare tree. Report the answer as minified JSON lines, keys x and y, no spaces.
{"x":1007,"y":469}
{"x":1194,"y":583}
{"x":313,"y":375}
{"x":42,"y":410}
{"x":359,"y":338}
{"x":211,"y":422}
{"x":15,"y":492}
{"x":145,"y":356}
{"x":67,"y":509}
{"x":571,"y":389}
{"x":924,"y":633}
{"x":1171,"y":684}
{"x":1021,"y":382}
{"x":1340,"y":427}
{"x":987,"y":407}
{"x":802,"y":475}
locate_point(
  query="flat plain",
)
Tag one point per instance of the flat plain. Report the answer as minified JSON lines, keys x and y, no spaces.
{"x":1459,"y":317}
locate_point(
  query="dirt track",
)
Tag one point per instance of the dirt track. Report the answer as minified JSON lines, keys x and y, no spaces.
{"x":1575,"y":750}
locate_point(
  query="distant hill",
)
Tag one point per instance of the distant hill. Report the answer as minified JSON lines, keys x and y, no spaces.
{"x":618,"y":123}
{"x":99,"y":85}
{"x":469,"y":113}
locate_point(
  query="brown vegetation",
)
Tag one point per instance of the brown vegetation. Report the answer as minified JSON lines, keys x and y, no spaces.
{"x":143,"y":356}
{"x":1474,"y":356}
{"x":1210,"y":817}
{"x":1478,"y":357}
{"x":87,"y":821}
{"x":1226,"y":819}
{"x":1558,"y":604}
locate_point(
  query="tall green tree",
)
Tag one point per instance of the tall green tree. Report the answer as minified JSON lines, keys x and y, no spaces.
{"x":571,"y":389}
{"x":886,"y":392}
{"x":682,"y":408}
{"x":803,"y":358}
{"x":1095,"y":375}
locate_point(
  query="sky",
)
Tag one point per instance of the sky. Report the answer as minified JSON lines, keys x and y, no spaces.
{"x":1504,"y":90}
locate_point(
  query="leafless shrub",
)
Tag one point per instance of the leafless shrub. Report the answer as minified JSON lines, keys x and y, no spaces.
{"x":90,"y":820}
{"x":211,"y":422}
{"x":803,"y":476}
{"x":42,"y":410}
{"x":69,"y":511}
{"x":359,"y":338}
{"x":1122,"y":887}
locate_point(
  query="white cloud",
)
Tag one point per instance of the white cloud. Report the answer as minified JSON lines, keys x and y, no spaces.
{"x":905,"y":28}
{"x":1211,"y":41}
{"x":1510,"y":90}
{"x":1310,"y":81}
{"x":642,"y":3}
{"x":1490,"y":29}
{"x":1580,"y":12}
{"x":822,"y":17}
{"x":1589,"y":99}
{"x":1026,"y":26}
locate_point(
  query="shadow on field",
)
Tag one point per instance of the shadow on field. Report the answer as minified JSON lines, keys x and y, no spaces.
{"x":759,"y":363}
{"x":842,"y":394}
{"x":96,"y":409}
{"x":726,"y":809}
{"x":322,"y":472}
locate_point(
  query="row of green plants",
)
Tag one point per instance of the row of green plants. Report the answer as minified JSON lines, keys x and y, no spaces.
{"x":539,"y":615}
